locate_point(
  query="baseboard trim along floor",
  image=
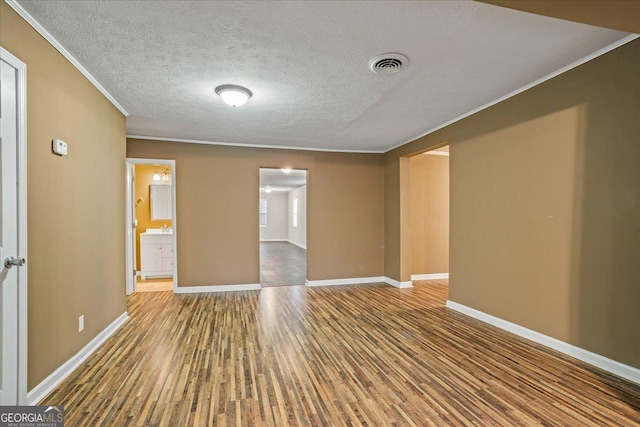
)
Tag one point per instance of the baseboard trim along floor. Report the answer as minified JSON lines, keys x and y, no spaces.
{"x":434,"y":276}
{"x":221,"y":288}
{"x":625,"y":371}
{"x":41,"y":391}
{"x":358,"y":281}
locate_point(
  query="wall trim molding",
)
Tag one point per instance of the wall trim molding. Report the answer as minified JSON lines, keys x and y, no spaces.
{"x":397,"y":284}
{"x":625,"y":371}
{"x":297,"y":244}
{"x":69,"y":57}
{"x":220,"y":288}
{"x":349,"y":281}
{"x":430,"y":276}
{"x":273,"y":240}
{"x":239,"y":144}
{"x":534,"y":83}
{"x":359,"y":281}
{"x":42,"y":390}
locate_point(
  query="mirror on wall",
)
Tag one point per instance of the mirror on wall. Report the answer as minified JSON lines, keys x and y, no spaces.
{"x":160,"y":201}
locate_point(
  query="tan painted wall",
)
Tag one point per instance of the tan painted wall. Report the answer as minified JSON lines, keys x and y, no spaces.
{"x":75,"y":204}
{"x":545,"y":207}
{"x":144,"y":177}
{"x":217,"y":205}
{"x":429,"y":187}
{"x":617,"y":14}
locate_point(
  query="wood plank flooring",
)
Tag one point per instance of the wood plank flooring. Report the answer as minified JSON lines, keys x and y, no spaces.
{"x":282,"y":264}
{"x":353,"y":355}
{"x":154,"y":285}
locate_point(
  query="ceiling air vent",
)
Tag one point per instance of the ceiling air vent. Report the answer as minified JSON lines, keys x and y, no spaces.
{"x":388,"y":63}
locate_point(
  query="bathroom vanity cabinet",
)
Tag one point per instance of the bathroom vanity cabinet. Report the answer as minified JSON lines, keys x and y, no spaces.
{"x":156,"y":255}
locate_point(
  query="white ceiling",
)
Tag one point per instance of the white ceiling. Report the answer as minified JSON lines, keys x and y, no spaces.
{"x":306,"y":64}
{"x":280,"y":181}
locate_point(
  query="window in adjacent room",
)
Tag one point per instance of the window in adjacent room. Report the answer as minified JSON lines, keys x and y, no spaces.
{"x":295,"y":212}
{"x":262,"y":212}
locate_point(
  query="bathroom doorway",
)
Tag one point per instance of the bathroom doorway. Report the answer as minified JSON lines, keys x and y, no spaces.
{"x":282,"y":217}
{"x":151,"y":255}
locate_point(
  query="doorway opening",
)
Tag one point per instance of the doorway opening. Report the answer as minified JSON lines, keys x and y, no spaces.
{"x":151,"y":226}
{"x":429,"y":212}
{"x":282,"y":217}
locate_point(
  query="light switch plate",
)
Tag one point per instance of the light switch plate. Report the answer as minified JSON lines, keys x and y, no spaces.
{"x":59,"y":147}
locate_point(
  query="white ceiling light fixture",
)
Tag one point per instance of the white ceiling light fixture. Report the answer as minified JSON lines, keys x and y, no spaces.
{"x":286,"y":170}
{"x":234,"y":95}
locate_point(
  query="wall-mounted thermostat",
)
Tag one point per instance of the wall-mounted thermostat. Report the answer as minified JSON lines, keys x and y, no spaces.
{"x":59,"y":147}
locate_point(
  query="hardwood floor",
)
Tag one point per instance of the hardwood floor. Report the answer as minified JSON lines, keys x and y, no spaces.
{"x":353,"y":355}
{"x":282,"y":264}
{"x":154,"y":285}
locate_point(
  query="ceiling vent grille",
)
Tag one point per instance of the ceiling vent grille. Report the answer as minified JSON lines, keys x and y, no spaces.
{"x":388,"y":63}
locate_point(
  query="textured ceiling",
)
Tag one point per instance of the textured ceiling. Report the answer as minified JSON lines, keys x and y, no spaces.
{"x":306,"y":64}
{"x":279,"y":181}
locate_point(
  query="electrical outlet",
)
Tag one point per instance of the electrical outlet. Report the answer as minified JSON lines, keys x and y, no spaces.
{"x":81,"y":323}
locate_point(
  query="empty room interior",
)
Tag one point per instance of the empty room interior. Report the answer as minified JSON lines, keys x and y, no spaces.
{"x":322,"y":213}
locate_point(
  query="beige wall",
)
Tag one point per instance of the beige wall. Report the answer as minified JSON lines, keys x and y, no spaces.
{"x":617,"y":14}
{"x":75,"y":224}
{"x":545,"y":207}
{"x":217,"y":205}
{"x":144,"y":178}
{"x":429,"y":189}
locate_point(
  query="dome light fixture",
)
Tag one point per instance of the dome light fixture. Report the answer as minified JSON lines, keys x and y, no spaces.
{"x":234,"y":95}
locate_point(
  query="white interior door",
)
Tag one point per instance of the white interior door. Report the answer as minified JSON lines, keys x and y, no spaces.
{"x":10,"y":260}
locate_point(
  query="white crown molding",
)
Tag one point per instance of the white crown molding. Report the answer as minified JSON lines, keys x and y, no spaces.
{"x":625,"y":371}
{"x":430,"y":276}
{"x":56,"y":44}
{"x":221,"y":288}
{"x":238,"y":144}
{"x":39,"y":392}
{"x":556,"y":73}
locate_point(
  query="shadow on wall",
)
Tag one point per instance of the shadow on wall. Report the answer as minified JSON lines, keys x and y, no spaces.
{"x":545,"y":207}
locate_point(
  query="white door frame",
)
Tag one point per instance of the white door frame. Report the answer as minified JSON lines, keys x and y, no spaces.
{"x":21,"y":84}
{"x":130,"y":162}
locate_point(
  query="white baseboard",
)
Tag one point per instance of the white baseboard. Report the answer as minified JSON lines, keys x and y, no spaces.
{"x":350,"y":281}
{"x":430,"y":276}
{"x":297,"y":244}
{"x":397,"y":284}
{"x":221,"y":288}
{"x":625,"y":371}
{"x":39,"y":392}
{"x":273,"y":240}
